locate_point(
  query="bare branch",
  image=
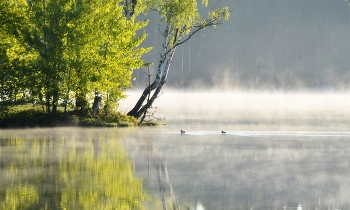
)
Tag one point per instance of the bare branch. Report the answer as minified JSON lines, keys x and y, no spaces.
{"x":211,"y":22}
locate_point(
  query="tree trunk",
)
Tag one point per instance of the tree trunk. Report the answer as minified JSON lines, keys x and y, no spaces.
{"x":65,"y":107}
{"x":159,"y":87}
{"x":139,"y":103}
{"x":96,"y":105}
{"x":48,"y":109}
{"x":54,"y":103}
{"x":149,"y":94}
{"x":175,"y":36}
{"x":135,"y":111}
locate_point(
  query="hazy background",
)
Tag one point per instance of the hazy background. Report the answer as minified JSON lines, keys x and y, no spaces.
{"x":249,"y":110}
{"x":266,"y":44}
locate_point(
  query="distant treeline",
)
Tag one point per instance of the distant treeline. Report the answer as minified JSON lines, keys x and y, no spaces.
{"x":278,"y":44}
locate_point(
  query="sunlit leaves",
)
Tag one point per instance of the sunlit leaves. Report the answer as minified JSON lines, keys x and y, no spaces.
{"x":111,"y":48}
{"x":182,"y":16}
{"x":177,"y":13}
{"x":74,"y":46}
{"x":219,"y":15}
{"x":14,"y":54}
{"x":205,"y":2}
{"x":12,"y":16}
{"x":222,"y":14}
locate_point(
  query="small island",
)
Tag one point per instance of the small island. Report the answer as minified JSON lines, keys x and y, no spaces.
{"x":28,"y":115}
{"x":55,"y":56}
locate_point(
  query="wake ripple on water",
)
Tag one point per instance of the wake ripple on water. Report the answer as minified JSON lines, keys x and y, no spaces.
{"x":269,"y":133}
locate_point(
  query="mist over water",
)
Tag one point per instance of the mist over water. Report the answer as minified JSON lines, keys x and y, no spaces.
{"x":284,"y":148}
{"x":237,"y":172}
{"x":281,"y":150}
{"x":251,"y":110}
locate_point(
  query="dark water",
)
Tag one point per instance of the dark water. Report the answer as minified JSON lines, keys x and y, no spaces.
{"x":278,"y":159}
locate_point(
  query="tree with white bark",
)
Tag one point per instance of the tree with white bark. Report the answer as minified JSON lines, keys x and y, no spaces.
{"x":180,"y":20}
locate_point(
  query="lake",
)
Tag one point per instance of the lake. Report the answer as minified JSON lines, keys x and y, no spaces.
{"x":280,"y":151}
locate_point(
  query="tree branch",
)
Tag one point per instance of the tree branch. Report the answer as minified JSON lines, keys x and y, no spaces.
{"x":200,"y":27}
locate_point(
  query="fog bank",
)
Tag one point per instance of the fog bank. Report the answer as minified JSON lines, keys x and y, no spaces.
{"x":323,"y":110}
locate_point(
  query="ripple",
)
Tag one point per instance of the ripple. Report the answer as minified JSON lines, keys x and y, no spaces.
{"x":269,"y":133}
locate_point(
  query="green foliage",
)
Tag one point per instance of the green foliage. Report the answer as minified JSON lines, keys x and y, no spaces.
{"x":205,"y":2}
{"x":57,"y":50}
{"x":183,"y":15}
{"x":219,"y":15}
{"x":109,"y":54}
{"x":180,"y":20}
{"x":15,"y":56}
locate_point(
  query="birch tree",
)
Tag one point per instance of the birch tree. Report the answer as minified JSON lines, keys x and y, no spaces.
{"x":180,"y":20}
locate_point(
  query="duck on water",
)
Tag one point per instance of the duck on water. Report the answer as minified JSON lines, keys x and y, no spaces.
{"x":183,"y":132}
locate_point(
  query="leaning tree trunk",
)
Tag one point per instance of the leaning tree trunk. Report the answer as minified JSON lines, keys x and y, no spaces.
{"x":162,"y":73}
{"x":135,"y":111}
{"x":173,"y":35}
{"x":155,"y":95}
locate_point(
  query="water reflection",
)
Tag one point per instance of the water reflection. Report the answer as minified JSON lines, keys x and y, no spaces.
{"x":279,"y":152}
{"x":262,"y":170}
{"x":200,"y":170}
{"x":67,"y":169}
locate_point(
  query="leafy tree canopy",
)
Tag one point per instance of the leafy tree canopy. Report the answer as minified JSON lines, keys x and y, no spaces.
{"x":68,"y":49}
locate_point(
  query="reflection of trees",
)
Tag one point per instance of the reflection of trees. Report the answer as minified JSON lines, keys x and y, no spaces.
{"x":168,"y":198}
{"x":53,"y":174}
{"x":106,"y":182}
{"x":20,"y":197}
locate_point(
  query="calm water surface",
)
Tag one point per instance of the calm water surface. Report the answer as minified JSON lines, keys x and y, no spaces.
{"x":273,"y":156}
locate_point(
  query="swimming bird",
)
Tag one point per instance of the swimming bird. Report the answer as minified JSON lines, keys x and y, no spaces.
{"x":223,"y":132}
{"x":182,"y":132}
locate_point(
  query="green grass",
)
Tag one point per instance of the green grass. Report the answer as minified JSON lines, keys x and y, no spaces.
{"x":27,"y":115}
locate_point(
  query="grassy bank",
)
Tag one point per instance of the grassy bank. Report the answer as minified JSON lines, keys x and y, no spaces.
{"x":27,"y":115}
